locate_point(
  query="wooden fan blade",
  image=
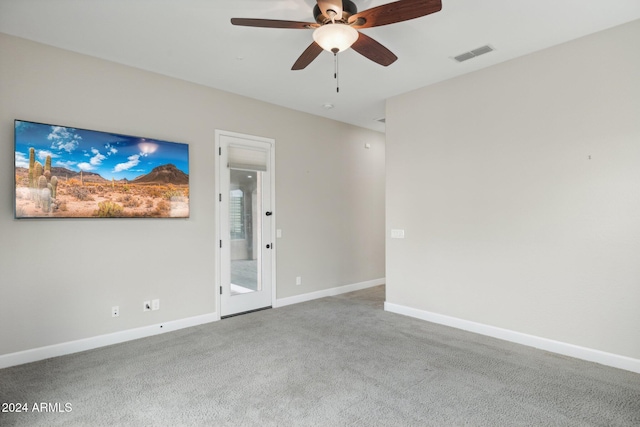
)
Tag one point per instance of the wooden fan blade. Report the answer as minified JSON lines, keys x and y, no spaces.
{"x":307,"y":56}
{"x":273,"y":23}
{"x":369,"y":48}
{"x":390,"y":13}
{"x":335,"y":5}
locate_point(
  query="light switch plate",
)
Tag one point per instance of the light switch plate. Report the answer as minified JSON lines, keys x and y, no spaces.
{"x":397,"y":234}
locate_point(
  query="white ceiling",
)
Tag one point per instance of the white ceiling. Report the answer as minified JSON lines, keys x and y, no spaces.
{"x":193,"y":40}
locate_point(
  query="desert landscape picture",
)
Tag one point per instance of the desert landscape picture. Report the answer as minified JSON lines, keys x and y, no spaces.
{"x":63,"y":172}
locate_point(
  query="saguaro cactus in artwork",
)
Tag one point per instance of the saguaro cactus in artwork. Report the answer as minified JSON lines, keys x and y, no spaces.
{"x":54,"y":186}
{"x":44,"y":193}
{"x":46,"y":198}
{"x":42,"y":185}
{"x":32,"y":161}
{"x":37,"y":172}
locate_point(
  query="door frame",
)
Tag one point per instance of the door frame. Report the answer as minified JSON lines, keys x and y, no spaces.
{"x":217,"y":211}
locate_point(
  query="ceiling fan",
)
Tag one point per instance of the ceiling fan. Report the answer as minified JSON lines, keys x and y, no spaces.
{"x":337,"y":22}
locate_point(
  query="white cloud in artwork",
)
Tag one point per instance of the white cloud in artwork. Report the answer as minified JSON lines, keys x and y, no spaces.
{"x":64,"y":139}
{"x":65,"y":164}
{"x":133,"y":161}
{"x":97,"y":158}
{"x":21,"y":160}
{"x":42,"y":154}
{"x":110,"y":149}
{"x":85,"y":166}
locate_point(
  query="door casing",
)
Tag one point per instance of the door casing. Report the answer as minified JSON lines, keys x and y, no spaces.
{"x":219,"y":211}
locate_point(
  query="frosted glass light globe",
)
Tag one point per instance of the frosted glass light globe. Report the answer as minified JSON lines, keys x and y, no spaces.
{"x":335,"y":36}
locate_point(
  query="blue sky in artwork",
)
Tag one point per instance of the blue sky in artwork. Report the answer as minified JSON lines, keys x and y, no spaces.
{"x":108,"y":154}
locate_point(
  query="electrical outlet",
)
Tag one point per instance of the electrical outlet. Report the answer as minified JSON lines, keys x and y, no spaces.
{"x":115,"y":311}
{"x":155,"y":304}
{"x":146,"y":306}
{"x":298,"y":280}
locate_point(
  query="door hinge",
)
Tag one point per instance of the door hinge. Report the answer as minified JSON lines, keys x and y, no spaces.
{"x":220,"y":197}
{"x":219,"y":151}
{"x":220,"y":290}
{"x":220,"y":243}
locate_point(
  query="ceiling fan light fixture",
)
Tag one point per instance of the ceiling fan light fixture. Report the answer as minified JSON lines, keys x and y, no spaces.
{"x":335,"y":36}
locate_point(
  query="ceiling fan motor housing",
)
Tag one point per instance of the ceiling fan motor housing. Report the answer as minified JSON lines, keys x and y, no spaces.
{"x":348,"y":9}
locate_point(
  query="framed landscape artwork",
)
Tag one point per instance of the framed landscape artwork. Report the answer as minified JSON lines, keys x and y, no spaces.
{"x":64,"y":172}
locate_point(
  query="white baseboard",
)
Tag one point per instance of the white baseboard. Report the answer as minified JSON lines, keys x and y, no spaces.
{"x":41,"y":353}
{"x":566,"y":349}
{"x":55,"y":350}
{"x":329,"y":292}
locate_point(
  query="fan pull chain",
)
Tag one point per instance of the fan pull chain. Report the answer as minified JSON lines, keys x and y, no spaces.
{"x":335,"y":68}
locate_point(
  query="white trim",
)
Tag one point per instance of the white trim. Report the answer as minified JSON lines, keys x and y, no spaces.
{"x":328,"y":292}
{"x":55,"y":350}
{"x":216,"y":211}
{"x":559,"y":347}
{"x":41,"y":353}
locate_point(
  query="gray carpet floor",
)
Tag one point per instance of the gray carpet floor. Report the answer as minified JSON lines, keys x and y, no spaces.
{"x":337,"y":361}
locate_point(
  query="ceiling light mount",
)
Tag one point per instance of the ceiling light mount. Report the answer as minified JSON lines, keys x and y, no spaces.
{"x":348,"y":9}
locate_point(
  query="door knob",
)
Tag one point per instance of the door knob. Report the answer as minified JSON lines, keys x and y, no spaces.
{"x":268,"y":213}
{"x":269,"y":246}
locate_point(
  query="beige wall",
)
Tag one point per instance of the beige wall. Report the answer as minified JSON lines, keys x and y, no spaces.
{"x":59,"y":278}
{"x":519,"y":190}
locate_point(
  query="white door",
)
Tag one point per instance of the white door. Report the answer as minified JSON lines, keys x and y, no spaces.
{"x":246,"y":222}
